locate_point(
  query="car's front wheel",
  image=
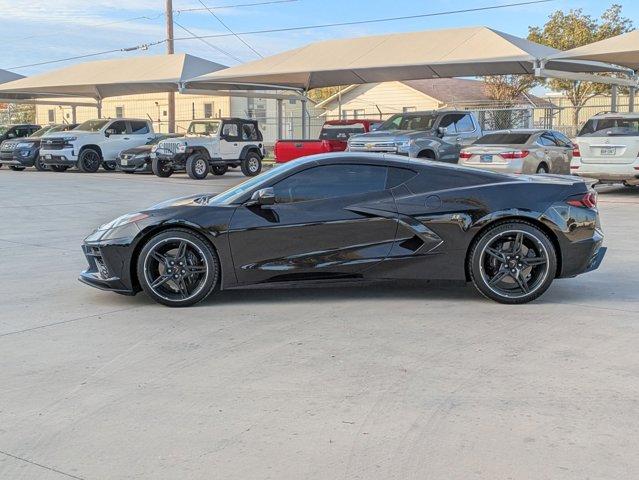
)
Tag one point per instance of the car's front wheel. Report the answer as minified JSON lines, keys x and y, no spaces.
{"x":161,"y":167}
{"x":252,"y":164}
{"x":178,"y":268}
{"x":513,"y":262}
{"x":59,"y":168}
{"x":16,"y":168}
{"x":89,"y":161}
{"x":39,"y":165}
{"x":109,"y":166}
{"x":197,"y":166}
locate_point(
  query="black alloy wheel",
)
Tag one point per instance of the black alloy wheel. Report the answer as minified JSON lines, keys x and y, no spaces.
{"x":252,"y":164}
{"x":219,"y":169}
{"x":197,"y":166}
{"x":59,"y":168}
{"x":161,"y":167}
{"x":178,"y":268}
{"x":514,"y":263}
{"x":89,"y":161}
{"x":39,"y":165}
{"x":109,"y":166}
{"x":17,"y":168}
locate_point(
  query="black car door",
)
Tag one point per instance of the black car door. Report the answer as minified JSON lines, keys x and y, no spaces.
{"x":328,"y":221}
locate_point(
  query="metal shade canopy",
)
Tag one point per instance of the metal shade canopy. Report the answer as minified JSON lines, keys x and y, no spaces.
{"x":7,"y":76}
{"x":621,"y":50}
{"x":109,"y":78}
{"x":458,"y":52}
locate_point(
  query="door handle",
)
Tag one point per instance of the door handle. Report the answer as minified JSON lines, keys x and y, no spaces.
{"x":127,"y":138}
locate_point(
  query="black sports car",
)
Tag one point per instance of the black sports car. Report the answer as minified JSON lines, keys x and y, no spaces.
{"x":138,"y":159}
{"x":355,"y":216}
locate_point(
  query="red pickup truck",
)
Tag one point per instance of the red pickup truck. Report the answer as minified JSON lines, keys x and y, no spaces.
{"x":333,"y":138}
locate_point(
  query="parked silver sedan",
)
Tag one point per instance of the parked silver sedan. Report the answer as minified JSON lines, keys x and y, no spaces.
{"x":520,"y":151}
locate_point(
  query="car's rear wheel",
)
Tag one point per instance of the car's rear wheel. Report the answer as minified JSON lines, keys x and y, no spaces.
{"x":59,"y":168}
{"x":252,"y":164}
{"x":39,"y":165}
{"x":161,"y":167}
{"x":513,"y":262}
{"x":219,"y":169}
{"x":178,"y":268}
{"x":89,"y":161}
{"x":197,"y":166}
{"x":109,"y":166}
{"x":16,"y":168}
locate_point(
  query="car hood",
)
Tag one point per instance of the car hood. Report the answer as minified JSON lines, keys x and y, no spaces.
{"x":390,"y":135}
{"x":198,"y":200}
{"x":140,"y":149}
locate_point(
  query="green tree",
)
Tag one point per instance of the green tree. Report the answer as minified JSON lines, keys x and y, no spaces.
{"x":565,"y":31}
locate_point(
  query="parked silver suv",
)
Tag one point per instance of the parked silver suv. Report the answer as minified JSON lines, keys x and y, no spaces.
{"x":436,"y":135}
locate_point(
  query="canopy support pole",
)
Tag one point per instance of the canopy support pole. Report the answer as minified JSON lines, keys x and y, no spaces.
{"x":304,"y":119}
{"x":74,"y":114}
{"x":613,"y":99}
{"x":631,"y":100}
{"x":98,"y":106}
{"x":280,"y":125}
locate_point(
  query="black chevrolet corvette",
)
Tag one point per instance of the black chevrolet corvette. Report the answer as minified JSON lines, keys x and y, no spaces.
{"x":355,"y":216}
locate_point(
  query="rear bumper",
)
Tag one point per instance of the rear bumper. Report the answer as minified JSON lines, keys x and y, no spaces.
{"x":596,"y":259}
{"x":611,"y":172}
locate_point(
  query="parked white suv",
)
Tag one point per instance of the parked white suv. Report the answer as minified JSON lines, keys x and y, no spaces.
{"x":94,"y":143}
{"x":608,"y":149}
{"x":211,"y":146}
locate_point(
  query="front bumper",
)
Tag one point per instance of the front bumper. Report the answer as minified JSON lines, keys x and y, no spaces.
{"x":134,"y":165}
{"x":25,"y":157}
{"x":65,"y":156}
{"x":105,"y":270}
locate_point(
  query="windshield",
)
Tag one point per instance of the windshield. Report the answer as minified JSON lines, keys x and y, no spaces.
{"x":203,"y":128}
{"x":42,"y":131}
{"x":61,"y":128}
{"x":341,"y":132}
{"x":92,"y":125}
{"x":233,"y":194}
{"x":602,"y":127}
{"x":409,"y":122}
{"x":503,"y":139}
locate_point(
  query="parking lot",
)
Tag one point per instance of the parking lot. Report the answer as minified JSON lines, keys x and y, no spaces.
{"x":390,"y":380}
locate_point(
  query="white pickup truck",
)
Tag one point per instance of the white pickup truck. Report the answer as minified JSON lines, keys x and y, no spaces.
{"x":94,"y":143}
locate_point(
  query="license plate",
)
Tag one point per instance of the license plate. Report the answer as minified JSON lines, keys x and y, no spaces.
{"x":608,"y":151}
{"x":485,"y":158}
{"x":47,"y":157}
{"x":124,"y":162}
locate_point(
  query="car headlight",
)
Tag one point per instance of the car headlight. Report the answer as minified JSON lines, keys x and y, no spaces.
{"x":404,"y":145}
{"x":24,"y":145}
{"x":154,"y":148}
{"x":123,"y":220}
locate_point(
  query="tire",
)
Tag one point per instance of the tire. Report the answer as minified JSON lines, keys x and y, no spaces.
{"x":161,"y":168}
{"x":40,"y":167}
{"x":157,"y":262}
{"x":109,"y":166}
{"x":89,"y":161}
{"x":542,"y":168}
{"x":197,"y":166}
{"x":16,"y":168}
{"x":252,"y":164}
{"x":219,"y":169}
{"x":511,"y":275}
{"x":59,"y":168}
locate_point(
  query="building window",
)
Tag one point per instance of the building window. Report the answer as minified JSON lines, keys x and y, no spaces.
{"x":119,"y":112}
{"x":359,"y":113}
{"x":208,"y":110}
{"x":51,"y":115}
{"x":292,"y":101}
{"x":408,"y":109}
{"x":346,"y":114}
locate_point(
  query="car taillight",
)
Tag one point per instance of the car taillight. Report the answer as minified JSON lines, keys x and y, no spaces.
{"x":575,"y":151}
{"x":514,"y":154}
{"x":588,"y":200}
{"x":465,"y":155}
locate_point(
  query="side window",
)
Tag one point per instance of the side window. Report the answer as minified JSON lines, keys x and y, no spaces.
{"x":23,"y":132}
{"x":331,"y":181}
{"x":230,"y":130}
{"x":547,"y":140}
{"x":118,"y":128}
{"x":139,"y":128}
{"x":464,"y":124}
{"x":249,"y":132}
{"x":449,"y":122}
{"x":562,"y":140}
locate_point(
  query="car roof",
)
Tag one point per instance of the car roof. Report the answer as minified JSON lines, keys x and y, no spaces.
{"x":615,"y":115}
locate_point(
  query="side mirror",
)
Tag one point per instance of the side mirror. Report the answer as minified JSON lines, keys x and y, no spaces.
{"x":11,"y":135}
{"x":443,"y":131}
{"x":264,"y":196}
{"x":108,"y":132}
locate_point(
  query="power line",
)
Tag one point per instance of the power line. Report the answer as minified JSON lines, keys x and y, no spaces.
{"x":222,"y":7}
{"x":377,"y":20}
{"x":232,"y":32}
{"x":208,"y":43}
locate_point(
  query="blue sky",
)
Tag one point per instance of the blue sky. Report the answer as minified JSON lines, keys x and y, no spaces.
{"x":48,"y":30}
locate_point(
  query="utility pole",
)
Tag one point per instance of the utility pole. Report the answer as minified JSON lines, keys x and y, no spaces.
{"x":170,"y":50}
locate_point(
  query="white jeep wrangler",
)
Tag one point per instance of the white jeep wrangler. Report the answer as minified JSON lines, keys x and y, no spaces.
{"x":211,"y":146}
